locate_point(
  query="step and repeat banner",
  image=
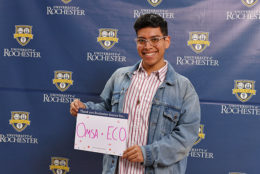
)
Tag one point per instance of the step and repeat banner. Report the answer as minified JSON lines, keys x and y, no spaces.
{"x":53,"y":51}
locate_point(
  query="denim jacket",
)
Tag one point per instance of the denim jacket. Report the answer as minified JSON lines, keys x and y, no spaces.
{"x":173,"y":124}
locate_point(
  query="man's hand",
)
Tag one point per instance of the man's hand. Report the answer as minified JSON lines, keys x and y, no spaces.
{"x":75,"y":106}
{"x":133,"y":154}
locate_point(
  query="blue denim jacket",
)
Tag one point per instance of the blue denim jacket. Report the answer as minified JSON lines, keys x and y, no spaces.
{"x":173,"y":124}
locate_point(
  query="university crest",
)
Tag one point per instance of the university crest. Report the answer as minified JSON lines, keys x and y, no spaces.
{"x":244,"y":89}
{"x":23,"y":34}
{"x":249,"y":3}
{"x":198,"y":41}
{"x":19,"y":120}
{"x":201,"y":134}
{"x":59,"y":165}
{"x":107,"y":37}
{"x":66,"y":1}
{"x":154,"y":3}
{"x":62,"y":80}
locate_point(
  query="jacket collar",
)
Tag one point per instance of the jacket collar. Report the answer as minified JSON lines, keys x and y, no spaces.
{"x":170,"y":75}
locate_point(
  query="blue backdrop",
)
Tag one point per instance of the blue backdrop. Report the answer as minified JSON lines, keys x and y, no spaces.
{"x":53,"y":51}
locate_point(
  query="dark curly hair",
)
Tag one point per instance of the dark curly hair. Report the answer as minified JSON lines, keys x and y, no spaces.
{"x":151,"y":20}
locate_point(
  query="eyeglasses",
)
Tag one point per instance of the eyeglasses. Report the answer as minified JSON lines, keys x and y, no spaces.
{"x":153,"y":41}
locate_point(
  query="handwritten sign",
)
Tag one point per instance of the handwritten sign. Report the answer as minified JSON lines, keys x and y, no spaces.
{"x":102,"y":132}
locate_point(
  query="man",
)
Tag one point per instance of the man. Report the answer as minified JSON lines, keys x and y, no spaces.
{"x":163,"y":107}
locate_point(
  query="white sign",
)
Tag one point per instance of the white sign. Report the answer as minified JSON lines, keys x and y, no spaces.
{"x":101,"y":131}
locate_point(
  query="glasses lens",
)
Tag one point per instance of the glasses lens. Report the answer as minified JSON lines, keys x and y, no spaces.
{"x":153,"y":41}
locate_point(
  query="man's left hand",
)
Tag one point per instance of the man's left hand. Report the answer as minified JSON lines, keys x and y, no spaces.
{"x":133,"y":154}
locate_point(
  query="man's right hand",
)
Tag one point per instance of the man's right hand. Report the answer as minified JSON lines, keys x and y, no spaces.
{"x":75,"y":106}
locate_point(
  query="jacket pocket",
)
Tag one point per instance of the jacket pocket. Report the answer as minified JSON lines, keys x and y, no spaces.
{"x":170,"y":119}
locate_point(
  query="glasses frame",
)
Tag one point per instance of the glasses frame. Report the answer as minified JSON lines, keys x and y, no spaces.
{"x":149,"y":40}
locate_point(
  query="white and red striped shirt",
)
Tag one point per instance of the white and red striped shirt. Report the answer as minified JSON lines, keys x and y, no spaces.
{"x":137,"y":104}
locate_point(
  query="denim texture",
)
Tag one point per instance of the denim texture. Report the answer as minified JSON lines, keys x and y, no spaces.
{"x":173,"y":123}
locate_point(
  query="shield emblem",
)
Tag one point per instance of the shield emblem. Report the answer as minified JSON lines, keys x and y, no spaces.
{"x":154,"y":3}
{"x":62,"y":80}
{"x":23,"y":34}
{"x":249,"y":3}
{"x":201,"y":134}
{"x":107,"y":37}
{"x":244,"y":89}
{"x":66,"y":1}
{"x":59,"y":165}
{"x":19,"y":120}
{"x":198,"y":41}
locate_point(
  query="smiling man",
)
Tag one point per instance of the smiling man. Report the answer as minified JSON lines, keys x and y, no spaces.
{"x":163,"y":107}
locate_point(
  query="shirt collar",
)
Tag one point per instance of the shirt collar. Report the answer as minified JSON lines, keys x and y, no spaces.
{"x":161,"y":73}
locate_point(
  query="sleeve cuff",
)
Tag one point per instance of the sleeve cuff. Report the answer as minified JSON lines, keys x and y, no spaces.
{"x":86,"y":105}
{"x":147,"y":154}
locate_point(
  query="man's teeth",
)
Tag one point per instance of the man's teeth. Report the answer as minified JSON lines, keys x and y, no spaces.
{"x":149,"y":54}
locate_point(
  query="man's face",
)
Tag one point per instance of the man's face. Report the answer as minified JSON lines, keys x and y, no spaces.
{"x":152,"y":53}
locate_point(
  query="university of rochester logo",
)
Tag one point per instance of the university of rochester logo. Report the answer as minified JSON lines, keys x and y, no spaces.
{"x":201,"y":152}
{"x":66,"y":1}
{"x":154,"y":3}
{"x":107,"y":37}
{"x":23,"y":34}
{"x":244,"y":89}
{"x":198,"y":41}
{"x":201,"y":134}
{"x":59,"y":165}
{"x":19,"y":120}
{"x":62,"y":79}
{"x":249,"y":3}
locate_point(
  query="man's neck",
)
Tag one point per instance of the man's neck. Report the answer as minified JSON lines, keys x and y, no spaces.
{"x":150,"y":69}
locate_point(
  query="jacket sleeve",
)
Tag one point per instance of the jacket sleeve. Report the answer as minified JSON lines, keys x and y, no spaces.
{"x":106,"y":96}
{"x":176,"y":145}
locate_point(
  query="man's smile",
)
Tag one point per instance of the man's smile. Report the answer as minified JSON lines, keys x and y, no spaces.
{"x":149,"y":53}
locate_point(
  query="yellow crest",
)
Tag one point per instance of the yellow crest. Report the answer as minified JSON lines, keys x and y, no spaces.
{"x":19,"y":120}
{"x":59,"y":165}
{"x":23,"y":34}
{"x":198,"y":41}
{"x":66,"y":1}
{"x":249,"y":3}
{"x":201,"y":134}
{"x":62,"y":79}
{"x":154,"y":3}
{"x":107,"y":37}
{"x":244,"y":89}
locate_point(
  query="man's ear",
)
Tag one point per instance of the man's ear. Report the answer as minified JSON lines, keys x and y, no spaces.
{"x":167,"y":42}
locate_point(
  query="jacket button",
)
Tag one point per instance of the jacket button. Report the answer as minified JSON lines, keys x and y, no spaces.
{"x":113,"y":161}
{"x":175,"y":116}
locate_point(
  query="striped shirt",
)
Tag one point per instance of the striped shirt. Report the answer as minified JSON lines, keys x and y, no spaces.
{"x":137,"y":104}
